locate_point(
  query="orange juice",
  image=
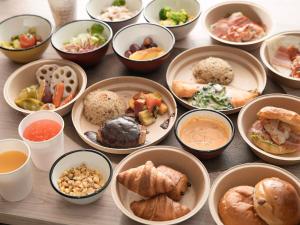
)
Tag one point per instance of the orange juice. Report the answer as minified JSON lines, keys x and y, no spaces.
{"x":11,"y":160}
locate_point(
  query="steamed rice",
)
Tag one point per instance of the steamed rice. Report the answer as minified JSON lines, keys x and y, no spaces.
{"x":100,"y":106}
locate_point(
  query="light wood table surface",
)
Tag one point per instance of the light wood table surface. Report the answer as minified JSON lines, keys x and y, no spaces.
{"x":43,"y":205}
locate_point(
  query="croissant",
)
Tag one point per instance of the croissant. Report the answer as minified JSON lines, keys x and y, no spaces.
{"x":158,"y":208}
{"x":179,"y":179}
{"x":146,"y":180}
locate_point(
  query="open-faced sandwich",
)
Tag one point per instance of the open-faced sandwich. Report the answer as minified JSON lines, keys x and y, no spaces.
{"x":276,"y":131}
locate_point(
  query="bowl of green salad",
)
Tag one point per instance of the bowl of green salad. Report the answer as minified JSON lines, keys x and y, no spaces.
{"x":82,"y":41}
{"x":180,"y":16}
{"x":24,"y":38}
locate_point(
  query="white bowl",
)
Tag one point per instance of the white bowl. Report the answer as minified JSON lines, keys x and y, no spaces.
{"x":248,"y":115}
{"x":279,"y":77}
{"x":194,"y":198}
{"x":94,"y":7}
{"x":25,"y":76}
{"x":135,"y":33}
{"x":246,"y":174}
{"x":92,"y":159}
{"x":254,"y":11}
{"x":21,"y":23}
{"x":151,"y":14}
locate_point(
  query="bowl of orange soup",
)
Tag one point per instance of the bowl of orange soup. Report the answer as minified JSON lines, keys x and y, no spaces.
{"x":205,"y":133}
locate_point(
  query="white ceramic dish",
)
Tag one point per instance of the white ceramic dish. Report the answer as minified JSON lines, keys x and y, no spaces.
{"x":94,"y":8}
{"x":192,"y":7}
{"x":282,"y":79}
{"x":21,"y":23}
{"x":246,"y":174}
{"x":254,"y":11}
{"x":249,"y":73}
{"x":248,"y":116}
{"x":92,"y":159}
{"x":25,"y":76}
{"x":182,"y":161}
{"x":126,"y":87}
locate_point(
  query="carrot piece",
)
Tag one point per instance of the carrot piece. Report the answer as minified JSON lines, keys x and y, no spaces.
{"x":67,"y":99}
{"x":58,"y":94}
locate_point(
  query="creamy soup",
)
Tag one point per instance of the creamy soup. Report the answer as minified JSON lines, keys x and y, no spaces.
{"x":204,"y":133}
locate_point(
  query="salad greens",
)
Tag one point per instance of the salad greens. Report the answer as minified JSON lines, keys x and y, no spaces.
{"x":212,"y":96}
{"x":169,"y":17}
{"x":119,"y":3}
{"x":88,"y":41}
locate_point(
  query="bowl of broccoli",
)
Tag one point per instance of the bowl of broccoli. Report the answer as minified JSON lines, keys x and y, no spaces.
{"x":180,"y":16}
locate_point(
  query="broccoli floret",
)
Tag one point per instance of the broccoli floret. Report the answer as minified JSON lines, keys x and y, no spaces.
{"x":179,"y":17}
{"x":96,"y":29}
{"x":163,"y":13}
{"x":119,"y":2}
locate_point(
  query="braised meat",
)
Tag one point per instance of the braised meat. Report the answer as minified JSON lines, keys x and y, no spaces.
{"x":122,"y":132}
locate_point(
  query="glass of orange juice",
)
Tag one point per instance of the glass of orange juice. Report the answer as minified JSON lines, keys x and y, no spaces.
{"x":15,"y":170}
{"x":43,"y":132}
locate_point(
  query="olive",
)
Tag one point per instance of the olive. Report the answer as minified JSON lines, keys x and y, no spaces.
{"x":127,"y":53}
{"x":134,"y":47}
{"x":147,"y":41}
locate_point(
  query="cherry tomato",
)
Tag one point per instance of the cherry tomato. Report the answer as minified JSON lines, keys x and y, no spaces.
{"x":27,"y":40}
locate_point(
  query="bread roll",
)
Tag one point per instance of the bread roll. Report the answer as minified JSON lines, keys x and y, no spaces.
{"x":284,"y":115}
{"x":277,"y":202}
{"x":236,"y":207}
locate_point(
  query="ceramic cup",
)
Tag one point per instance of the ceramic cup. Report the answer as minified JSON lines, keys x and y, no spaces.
{"x":44,"y":153}
{"x":63,"y":11}
{"x":17,"y":184}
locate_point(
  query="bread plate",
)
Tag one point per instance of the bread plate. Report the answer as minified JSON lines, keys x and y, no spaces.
{"x":249,"y":73}
{"x":126,"y":87}
{"x":248,"y":116}
{"x":246,"y":174}
{"x":194,"y":198}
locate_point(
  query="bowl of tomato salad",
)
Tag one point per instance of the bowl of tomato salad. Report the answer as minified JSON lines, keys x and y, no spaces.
{"x":24,"y":38}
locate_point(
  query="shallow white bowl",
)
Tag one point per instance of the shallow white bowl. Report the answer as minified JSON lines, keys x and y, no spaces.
{"x":254,"y":11}
{"x":248,"y":115}
{"x":94,"y":7}
{"x":194,"y":198}
{"x":151,"y":14}
{"x":279,"y":77}
{"x":246,"y":174}
{"x":92,"y":159}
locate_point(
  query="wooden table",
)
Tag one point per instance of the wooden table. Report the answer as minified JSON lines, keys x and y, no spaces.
{"x":43,"y":205}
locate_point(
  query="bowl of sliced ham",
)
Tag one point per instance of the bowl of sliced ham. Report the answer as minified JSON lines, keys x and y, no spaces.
{"x":281,"y":55}
{"x":238,"y":23}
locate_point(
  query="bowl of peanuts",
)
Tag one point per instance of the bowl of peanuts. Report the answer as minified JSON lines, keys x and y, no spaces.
{"x":81,"y":176}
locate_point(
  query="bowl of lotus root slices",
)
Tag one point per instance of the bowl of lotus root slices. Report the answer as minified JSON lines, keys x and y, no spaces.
{"x":46,"y":84}
{"x":160,"y":185}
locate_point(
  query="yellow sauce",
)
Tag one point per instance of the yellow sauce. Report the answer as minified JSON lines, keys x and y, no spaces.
{"x":11,"y":160}
{"x":204,"y":133}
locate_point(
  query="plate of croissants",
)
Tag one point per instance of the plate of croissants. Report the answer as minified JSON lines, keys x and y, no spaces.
{"x":160,"y":185}
{"x":255,"y":194}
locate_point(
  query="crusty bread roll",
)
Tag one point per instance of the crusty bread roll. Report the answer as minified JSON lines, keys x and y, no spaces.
{"x":277,"y":202}
{"x":236,"y":207}
{"x":284,"y":115}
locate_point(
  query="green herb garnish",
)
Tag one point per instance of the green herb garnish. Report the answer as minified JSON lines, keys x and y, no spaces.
{"x":96,"y":29}
{"x":119,"y":3}
{"x":212,"y":96}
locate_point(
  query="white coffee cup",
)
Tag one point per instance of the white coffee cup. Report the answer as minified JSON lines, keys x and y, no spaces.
{"x":44,"y":153}
{"x":17,"y":184}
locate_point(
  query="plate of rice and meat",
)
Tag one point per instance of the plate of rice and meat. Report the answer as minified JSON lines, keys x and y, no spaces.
{"x":120,"y":115}
{"x":216,"y":77}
